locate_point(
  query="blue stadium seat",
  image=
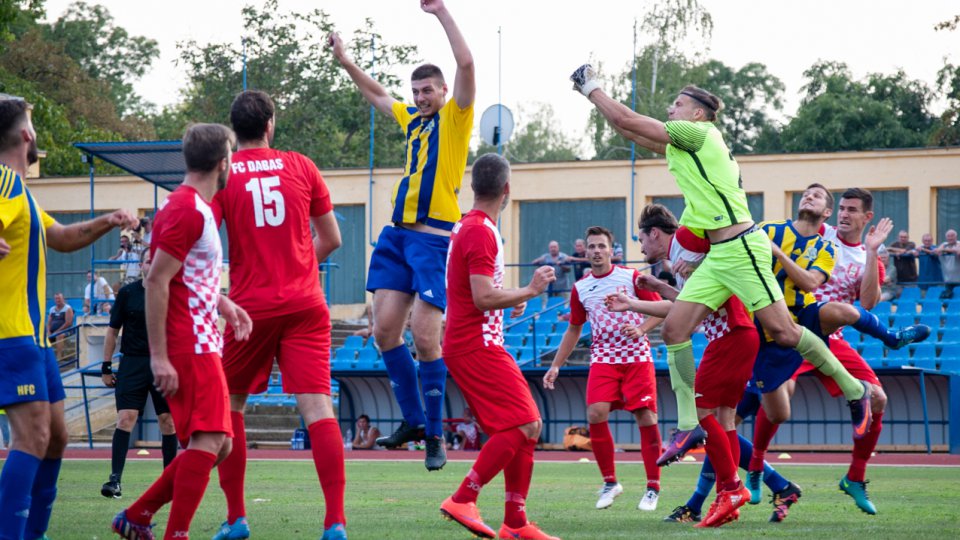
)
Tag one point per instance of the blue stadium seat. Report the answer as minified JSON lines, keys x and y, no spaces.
{"x":931,"y":306}
{"x":543,"y":327}
{"x":555,"y":301}
{"x":534,"y":304}
{"x":507,"y":312}
{"x":904,"y":319}
{"x":540,"y":341}
{"x":513,"y":340}
{"x":952,"y":321}
{"x":852,"y":335}
{"x":353,"y":342}
{"x":554,"y":339}
{"x":344,"y":358}
{"x":698,"y":349}
{"x":586,"y":330}
{"x":561,"y":327}
{"x":950,"y":352}
{"x":953,"y":305}
{"x":524,"y":354}
{"x":906,"y":306}
{"x":950,"y":364}
{"x":368,"y":358}
{"x":699,"y":339}
{"x":925,"y":363}
{"x":897,"y":358}
{"x":662,"y":352}
{"x":873,"y":353}
{"x":930,"y":319}
{"x":924,"y":350}
{"x":517,"y":328}
{"x":909,"y":294}
{"x":933,"y":293}
{"x":882,"y":309}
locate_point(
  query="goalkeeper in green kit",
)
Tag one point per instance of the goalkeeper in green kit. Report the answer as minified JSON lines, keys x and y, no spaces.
{"x":740,"y":259}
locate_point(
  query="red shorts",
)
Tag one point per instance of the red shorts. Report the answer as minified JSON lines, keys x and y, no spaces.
{"x":849,"y":359}
{"x":300,"y":342}
{"x":630,"y":386}
{"x":201,"y":403}
{"x":725,"y":368}
{"x":494,"y":388}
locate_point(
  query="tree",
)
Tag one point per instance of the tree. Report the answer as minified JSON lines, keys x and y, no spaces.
{"x":537,"y":138}
{"x":840,"y":113}
{"x":946,"y":130}
{"x":320,"y":113}
{"x":105,"y":51}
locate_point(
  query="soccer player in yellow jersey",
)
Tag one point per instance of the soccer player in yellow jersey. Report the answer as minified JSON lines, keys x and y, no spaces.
{"x":408,"y":266}
{"x":30,"y":387}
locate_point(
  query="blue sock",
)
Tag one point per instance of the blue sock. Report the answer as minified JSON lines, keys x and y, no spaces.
{"x":16,"y":483}
{"x":433,"y":380}
{"x":44,"y":493}
{"x":870,"y":325}
{"x":403,"y":379}
{"x":771,"y":477}
{"x":704,"y":486}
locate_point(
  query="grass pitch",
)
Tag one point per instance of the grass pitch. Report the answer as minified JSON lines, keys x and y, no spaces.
{"x":387,"y":500}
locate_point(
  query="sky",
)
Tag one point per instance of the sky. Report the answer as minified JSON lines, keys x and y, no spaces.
{"x":543,"y":41}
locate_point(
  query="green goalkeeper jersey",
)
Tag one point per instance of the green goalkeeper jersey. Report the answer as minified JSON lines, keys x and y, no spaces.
{"x":707,"y":175}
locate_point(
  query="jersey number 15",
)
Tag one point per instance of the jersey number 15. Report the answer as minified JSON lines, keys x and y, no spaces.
{"x":268,"y":205}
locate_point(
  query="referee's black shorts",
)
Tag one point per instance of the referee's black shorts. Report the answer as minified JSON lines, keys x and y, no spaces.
{"x":134,"y":382}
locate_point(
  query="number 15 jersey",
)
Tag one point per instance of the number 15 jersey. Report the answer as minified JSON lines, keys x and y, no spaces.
{"x":267,"y":205}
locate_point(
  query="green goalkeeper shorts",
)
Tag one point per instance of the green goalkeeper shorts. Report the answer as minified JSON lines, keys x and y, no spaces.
{"x":742,"y":267}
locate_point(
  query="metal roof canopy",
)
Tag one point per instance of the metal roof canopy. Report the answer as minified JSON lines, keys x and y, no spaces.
{"x":158,"y":162}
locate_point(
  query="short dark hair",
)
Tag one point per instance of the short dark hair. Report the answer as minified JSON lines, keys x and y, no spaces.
{"x":824,"y":188}
{"x":657,"y":216}
{"x":859,"y":193}
{"x":204,"y":145}
{"x":427,"y":71}
{"x":13,"y":111}
{"x":249,"y":114}
{"x":710,"y":103}
{"x":489,"y":176}
{"x":364,"y":417}
{"x":597,"y":230}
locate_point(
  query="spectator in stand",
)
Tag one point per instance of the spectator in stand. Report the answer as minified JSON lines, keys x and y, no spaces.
{"x":102,"y":291}
{"x":904,"y":254}
{"x":930,"y":273}
{"x":888,"y":289}
{"x":581,"y":264}
{"x":560,"y":262}
{"x":468,"y":432}
{"x":131,"y":270}
{"x":366,"y":435}
{"x":617,"y":257}
{"x":947,"y":252}
{"x":60,"y":318}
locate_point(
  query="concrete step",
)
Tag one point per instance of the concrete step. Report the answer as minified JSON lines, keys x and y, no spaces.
{"x":274,"y":435}
{"x":264,"y":421}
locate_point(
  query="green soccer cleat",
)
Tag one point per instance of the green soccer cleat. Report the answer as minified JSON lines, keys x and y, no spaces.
{"x":858,"y":490}
{"x":753,"y":484}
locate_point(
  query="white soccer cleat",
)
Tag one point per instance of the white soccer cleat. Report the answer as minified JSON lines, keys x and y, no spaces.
{"x":608,"y":493}
{"x":649,"y":501}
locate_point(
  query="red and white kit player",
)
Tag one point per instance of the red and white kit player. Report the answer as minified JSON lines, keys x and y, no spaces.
{"x":183,"y":297}
{"x":488,"y":376}
{"x":621,"y":367}
{"x":271,"y":202}
{"x":727,"y":362}
{"x":849,"y":282}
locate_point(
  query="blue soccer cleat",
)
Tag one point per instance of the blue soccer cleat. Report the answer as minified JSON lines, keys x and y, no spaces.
{"x":130,"y":530}
{"x":336,"y":532}
{"x":753,"y":484}
{"x":911,"y":334}
{"x":238,"y":530}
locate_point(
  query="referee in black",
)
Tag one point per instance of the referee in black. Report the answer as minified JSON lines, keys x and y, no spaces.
{"x":134,"y":378}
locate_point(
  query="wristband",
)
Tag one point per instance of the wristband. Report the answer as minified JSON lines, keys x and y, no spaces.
{"x":106,"y":368}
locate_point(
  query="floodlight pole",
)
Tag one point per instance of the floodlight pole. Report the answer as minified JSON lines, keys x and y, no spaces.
{"x":373,"y":72}
{"x":633,"y":147}
{"x":244,"y":42}
{"x":499,"y":91}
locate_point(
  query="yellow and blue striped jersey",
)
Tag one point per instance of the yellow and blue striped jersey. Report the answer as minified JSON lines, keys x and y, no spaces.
{"x":809,"y":252}
{"x":436,"y":158}
{"x":23,"y":272}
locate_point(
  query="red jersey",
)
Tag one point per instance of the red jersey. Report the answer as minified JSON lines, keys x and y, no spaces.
{"x":475,"y":249}
{"x":688,"y":247}
{"x":267,"y":206}
{"x":185,"y":228}
{"x":609,"y":345}
{"x":847,"y":276}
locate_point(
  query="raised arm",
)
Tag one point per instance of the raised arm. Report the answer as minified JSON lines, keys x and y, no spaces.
{"x":870,"y":283}
{"x":464,"y":85}
{"x":72,"y":237}
{"x":372,"y":91}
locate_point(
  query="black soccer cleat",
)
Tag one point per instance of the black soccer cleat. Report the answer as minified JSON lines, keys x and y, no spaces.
{"x":111,"y":488}
{"x":783,"y":500}
{"x":683,"y":514}
{"x":436,"y":456}
{"x":404,"y":434}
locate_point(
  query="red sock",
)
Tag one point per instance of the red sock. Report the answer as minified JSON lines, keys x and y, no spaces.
{"x":733,"y":439}
{"x":493,"y":458}
{"x":601,"y":440}
{"x":763,"y":433}
{"x":650,"y":448}
{"x":233,"y":470}
{"x":516,"y":484}
{"x":327,"y":445}
{"x":191,"y":481}
{"x":157,"y":495}
{"x":718,"y":448}
{"x":863,"y":447}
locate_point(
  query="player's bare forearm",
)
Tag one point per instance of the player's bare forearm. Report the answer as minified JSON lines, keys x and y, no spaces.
{"x":870,"y":284}
{"x":109,"y":344}
{"x":625,"y":120}
{"x":658,"y":309}
{"x":65,"y":238}
{"x":372,"y":91}
{"x":807,"y":280}
{"x":569,"y":341}
{"x":502,"y":298}
{"x":650,"y":323}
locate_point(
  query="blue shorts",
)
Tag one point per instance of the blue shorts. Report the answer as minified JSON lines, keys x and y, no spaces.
{"x":412,"y":262}
{"x":749,"y":404}
{"x":776,"y":364}
{"x":28,"y":373}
